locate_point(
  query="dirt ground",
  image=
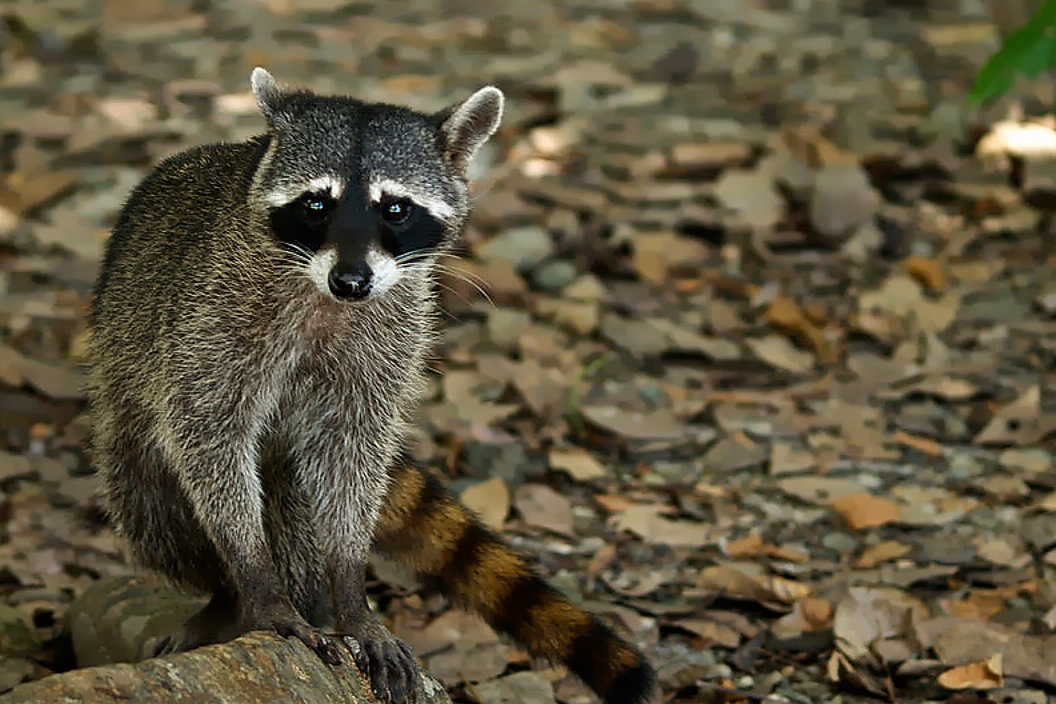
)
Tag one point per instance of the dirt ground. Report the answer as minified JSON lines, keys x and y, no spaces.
{"x":750,"y":340}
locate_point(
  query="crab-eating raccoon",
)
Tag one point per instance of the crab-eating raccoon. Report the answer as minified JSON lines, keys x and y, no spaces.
{"x":258,"y":339}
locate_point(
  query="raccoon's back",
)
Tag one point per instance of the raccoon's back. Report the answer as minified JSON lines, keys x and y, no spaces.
{"x":173,"y":221}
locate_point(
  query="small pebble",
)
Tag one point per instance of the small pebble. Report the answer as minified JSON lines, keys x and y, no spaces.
{"x":554,"y":275}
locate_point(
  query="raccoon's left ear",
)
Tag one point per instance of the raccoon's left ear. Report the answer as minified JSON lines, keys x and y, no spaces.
{"x":466,"y":126}
{"x":268,"y":94}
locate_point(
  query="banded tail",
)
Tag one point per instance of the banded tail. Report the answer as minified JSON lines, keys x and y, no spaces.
{"x":426,"y":532}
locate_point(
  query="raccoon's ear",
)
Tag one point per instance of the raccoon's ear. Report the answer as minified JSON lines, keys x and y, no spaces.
{"x":466,"y":126}
{"x":268,"y":94}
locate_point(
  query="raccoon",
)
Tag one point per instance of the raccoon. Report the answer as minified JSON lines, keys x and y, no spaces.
{"x":258,"y":340}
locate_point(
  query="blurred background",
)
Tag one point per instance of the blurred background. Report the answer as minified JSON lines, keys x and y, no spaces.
{"x":749,"y":341}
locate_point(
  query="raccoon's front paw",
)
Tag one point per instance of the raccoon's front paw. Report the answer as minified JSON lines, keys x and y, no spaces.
{"x":315,"y":639}
{"x":284,"y":620}
{"x":386,"y":661}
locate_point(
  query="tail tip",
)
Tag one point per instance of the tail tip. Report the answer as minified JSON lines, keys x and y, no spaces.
{"x":637,"y":685}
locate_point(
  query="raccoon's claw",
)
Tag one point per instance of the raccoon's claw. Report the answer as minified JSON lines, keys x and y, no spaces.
{"x":167,"y":646}
{"x":318,"y":642}
{"x":389,"y":665}
{"x":210,"y":625}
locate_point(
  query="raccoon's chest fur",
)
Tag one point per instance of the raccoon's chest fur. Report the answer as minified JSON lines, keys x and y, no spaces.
{"x":365,"y":363}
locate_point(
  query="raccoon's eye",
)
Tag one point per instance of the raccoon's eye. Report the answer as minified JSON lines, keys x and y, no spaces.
{"x":396,"y":212}
{"x":314,"y":209}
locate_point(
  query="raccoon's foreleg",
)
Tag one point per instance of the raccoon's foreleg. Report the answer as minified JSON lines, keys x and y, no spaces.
{"x":215,"y":465}
{"x":348,"y":484}
{"x":439,"y":542}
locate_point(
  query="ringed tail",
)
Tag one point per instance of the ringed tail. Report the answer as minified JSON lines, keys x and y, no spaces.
{"x":428,"y":533}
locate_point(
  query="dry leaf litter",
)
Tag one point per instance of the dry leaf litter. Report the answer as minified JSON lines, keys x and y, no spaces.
{"x":751,"y":344}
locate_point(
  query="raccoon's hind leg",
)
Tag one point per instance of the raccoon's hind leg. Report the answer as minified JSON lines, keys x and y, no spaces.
{"x":442,"y":544}
{"x":202,"y":524}
{"x":286,"y":514}
{"x":228,"y":504}
{"x":152,"y":513}
{"x":215,"y":623}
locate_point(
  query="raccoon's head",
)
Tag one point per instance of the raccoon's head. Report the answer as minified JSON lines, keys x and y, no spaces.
{"x":366,"y":195}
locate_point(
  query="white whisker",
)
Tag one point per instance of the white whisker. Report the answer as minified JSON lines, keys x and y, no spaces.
{"x":478,"y":283}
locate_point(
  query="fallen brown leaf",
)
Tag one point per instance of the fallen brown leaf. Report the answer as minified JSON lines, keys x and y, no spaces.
{"x":579,"y":463}
{"x":749,"y":546}
{"x":740,"y":583}
{"x":925,"y":445}
{"x":871,"y":620}
{"x":490,"y":499}
{"x":929,"y":272}
{"x":645,"y":521}
{"x":866,"y":511}
{"x":541,"y":506}
{"x":975,"y":675}
{"x":785,"y":314}
{"x":881,"y":552}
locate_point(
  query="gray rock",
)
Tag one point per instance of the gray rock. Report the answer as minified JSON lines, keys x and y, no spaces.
{"x":1039,"y":530}
{"x":506,"y":325}
{"x":554,"y":275}
{"x":524,"y":247}
{"x":843,"y":200}
{"x":864,"y":243}
{"x":18,"y":636}
{"x":1046,"y":301}
{"x":839,"y":542}
{"x":528,"y":686}
{"x":964,"y":466}
{"x":505,"y":459}
{"x":1000,"y":306}
{"x":14,"y":671}
{"x":751,"y":195}
{"x":119,"y":620}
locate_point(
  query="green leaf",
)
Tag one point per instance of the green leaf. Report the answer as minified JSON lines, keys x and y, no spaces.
{"x":1037,"y":58}
{"x":993,"y":80}
{"x":997,"y":75}
{"x":1029,"y":50}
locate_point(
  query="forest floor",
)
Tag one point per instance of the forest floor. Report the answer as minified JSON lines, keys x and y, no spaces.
{"x":762,"y":363}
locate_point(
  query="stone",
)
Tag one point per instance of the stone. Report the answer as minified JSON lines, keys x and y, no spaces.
{"x":752,"y":196}
{"x":505,"y":459}
{"x":553,"y":276}
{"x":581,"y":317}
{"x":866,"y":241}
{"x":585,"y":288}
{"x":507,"y":325}
{"x":524,"y":247}
{"x":842,"y":201}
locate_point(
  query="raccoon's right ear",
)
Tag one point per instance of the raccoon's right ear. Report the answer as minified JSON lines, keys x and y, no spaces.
{"x":268,"y":94}
{"x":467,"y":125}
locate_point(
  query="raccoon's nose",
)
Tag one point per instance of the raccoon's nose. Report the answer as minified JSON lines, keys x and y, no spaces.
{"x":351,"y":281}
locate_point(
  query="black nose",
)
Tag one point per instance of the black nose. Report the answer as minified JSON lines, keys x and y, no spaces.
{"x":351,"y":281}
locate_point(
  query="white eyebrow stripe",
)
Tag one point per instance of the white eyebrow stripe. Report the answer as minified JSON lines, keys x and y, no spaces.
{"x":386,"y":186}
{"x":328,"y":184}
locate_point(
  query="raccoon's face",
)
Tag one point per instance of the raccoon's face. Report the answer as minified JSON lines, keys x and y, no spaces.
{"x":365,"y":196}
